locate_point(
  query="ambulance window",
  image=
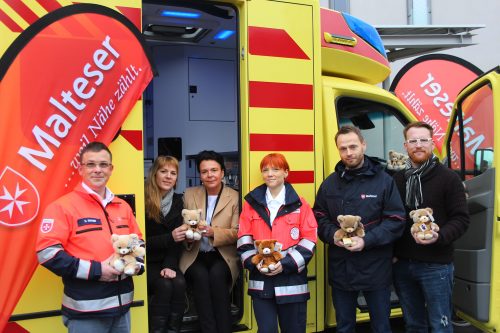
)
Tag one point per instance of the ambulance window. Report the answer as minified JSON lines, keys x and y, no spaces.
{"x":381,"y":125}
{"x":470,"y":147}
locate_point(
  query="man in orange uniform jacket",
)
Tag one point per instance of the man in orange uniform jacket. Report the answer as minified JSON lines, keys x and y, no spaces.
{"x":74,"y":242}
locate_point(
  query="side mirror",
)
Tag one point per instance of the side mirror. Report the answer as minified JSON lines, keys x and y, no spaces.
{"x":483,"y":160}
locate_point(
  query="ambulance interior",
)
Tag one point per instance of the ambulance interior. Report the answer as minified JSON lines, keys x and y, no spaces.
{"x":192,"y":105}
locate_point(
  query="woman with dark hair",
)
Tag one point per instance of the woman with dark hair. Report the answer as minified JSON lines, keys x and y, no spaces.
{"x":166,"y":284}
{"x":274,"y":210}
{"x":211,"y":264}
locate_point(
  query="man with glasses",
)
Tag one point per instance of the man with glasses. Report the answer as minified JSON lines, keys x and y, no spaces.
{"x":423,"y":268}
{"x":74,"y":242}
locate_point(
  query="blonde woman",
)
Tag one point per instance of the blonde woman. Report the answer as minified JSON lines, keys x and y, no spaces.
{"x":166,"y":284}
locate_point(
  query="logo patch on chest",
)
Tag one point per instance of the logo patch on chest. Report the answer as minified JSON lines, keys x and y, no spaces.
{"x":294,"y":233}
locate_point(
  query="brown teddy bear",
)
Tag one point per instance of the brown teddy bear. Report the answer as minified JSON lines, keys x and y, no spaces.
{"x":267,"y":255}
{"x":397,"y":161}
{"x":127,"y":249}
{"x":423,"y":223}
{"x":192,"y":218}
{"x":350,"y":225}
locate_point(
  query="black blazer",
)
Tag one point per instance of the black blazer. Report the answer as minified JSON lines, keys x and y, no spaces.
{"x":161,"y":249}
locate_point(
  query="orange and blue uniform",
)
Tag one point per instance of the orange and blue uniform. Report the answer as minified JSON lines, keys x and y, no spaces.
{"x":74,"y":238}
{"x":295,"y":228}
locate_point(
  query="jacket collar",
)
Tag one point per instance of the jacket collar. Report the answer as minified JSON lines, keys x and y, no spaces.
{"x":370,"y":167}
{"x":200,"y":200}
{"x":258,"y":196}
{"x":81,"y":190}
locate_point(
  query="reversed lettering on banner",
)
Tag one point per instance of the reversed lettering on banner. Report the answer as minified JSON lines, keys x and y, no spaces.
{"x":429,"y":86}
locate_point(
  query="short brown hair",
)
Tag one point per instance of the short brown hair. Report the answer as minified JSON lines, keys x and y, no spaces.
{"x":346,"y":129}
{"x":418,"y":124}
{"x":95,"y":147}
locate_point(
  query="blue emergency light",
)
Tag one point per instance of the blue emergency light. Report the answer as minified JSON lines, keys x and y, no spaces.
{"x":224,"y":34}
{"x":172,"y":13}
{"x":365,"y":31}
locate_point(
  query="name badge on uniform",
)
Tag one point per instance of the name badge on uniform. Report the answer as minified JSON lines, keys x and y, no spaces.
{"x":88,"y":221}
{"x":294,"y":233}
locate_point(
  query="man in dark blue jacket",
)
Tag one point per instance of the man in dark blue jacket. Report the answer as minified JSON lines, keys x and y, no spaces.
{"x":359,"y":186}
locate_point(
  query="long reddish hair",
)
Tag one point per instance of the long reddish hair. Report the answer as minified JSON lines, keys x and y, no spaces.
{"x":276,"y":160}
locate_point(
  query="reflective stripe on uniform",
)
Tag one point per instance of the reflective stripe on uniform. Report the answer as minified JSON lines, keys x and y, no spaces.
{"x":299,"y":259}
{"x":255,"y":285}
{"x":291,"y":290}
{"x":97,"y":304}
{"x":245,"y":255}
{"x":48,"y":253}
{"x":306,"y":243}
{"x":243,"y":240}
{"x":83,"y":269}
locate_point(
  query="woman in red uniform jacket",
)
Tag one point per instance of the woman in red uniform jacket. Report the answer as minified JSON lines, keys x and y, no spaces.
{"x":273,"y":210}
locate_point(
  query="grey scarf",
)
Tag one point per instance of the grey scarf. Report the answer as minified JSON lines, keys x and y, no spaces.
{"x":166,"y":202}
{"x":414,"y":196}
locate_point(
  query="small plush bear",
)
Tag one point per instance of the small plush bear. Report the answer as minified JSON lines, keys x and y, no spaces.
{"x":423,"y":223}
{"x":192,"y":218}
{"x":127,"y":249}
{"x":397,"y":161}
{"x":350,"y":225}
{"x":267,"y":255}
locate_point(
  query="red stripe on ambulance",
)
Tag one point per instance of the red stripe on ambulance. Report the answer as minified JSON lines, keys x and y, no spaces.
{"x":133,"y":14}
{"x":273,"y":43}
{"x":134,"y":137}
{"x":23,"y":10}
{"x":49,"y":5}
{"x":9,"y":22}
{"x":300,"y":177}
{"x":280,"y":95}
{"x":281,"y":142}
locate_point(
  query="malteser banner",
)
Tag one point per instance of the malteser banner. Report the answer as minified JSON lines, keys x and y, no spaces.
{"x":72,"y":77}
{"x":428,"y":86}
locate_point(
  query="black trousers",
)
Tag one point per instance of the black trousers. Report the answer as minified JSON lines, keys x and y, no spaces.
{"x":210,"y":279}
{"x":167,"y":295}
{"x":292,"y":317}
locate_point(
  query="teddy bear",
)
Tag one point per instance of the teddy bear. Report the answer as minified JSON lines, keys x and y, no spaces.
{"x":127,"y":249}
{"x":192,"y":218}
{"x":397,"y":161}
{"x":423,"y":223}
{"x":268,"y":254}
{"x":350,"y":225}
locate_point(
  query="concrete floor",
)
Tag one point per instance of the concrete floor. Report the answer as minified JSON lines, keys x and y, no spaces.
{"x":398,"y":327}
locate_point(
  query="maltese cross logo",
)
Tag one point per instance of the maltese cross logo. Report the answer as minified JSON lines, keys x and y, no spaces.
{"x":19,"y":199}
{"x":13,"y":199}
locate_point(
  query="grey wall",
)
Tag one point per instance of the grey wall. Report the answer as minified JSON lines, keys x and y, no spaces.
{"x":171,"y":104}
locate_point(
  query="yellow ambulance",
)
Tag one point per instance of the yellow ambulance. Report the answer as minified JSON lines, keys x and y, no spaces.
{"x":244,"y":78}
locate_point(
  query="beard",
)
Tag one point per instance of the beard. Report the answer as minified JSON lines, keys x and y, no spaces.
{"x":354,"y":163}
{"x":420,"y":156}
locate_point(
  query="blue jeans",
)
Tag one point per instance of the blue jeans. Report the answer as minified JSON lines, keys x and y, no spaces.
{"x":379,"y":307}
{"x":119,"y":324}
{"x":424,"y":291}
